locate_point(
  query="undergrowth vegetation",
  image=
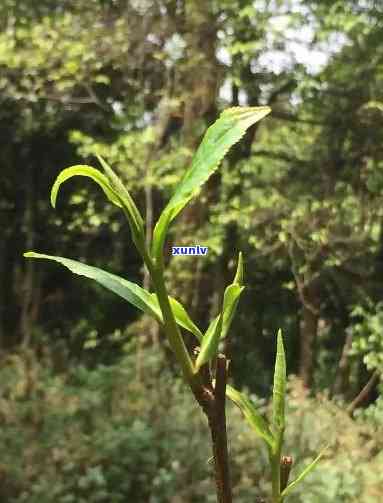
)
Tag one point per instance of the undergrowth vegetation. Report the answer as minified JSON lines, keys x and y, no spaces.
{"x":108,"y":435}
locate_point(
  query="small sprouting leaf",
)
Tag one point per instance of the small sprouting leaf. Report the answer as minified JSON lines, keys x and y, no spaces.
{"x":209,"y":344}
{"x":88,"y":171}
{"x":128,"y":204}
{"x":231,"y":298}
{"x":139,"y":297}
{"x":219,"y":138}
{"x":254,"y":418}
{"x":279,"y":388}
{"x":183,"y":319}
{"x":219,"y":327}
{"x":305,"y":472}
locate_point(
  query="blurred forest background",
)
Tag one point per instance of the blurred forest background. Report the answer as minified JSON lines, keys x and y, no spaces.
{"x":92,"y":408}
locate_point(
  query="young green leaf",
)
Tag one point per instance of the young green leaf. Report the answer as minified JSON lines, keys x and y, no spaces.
{"x":131,"y":211}
{"x":305,"y":472}
{"x":88,"y":171}
{"x":231,"y":297}
{"x":209,"y":344}
{"x":279,"y":388}
{"x":128,"y":204}
{"x":219,"y":138}
{"x":115,"y":192}
{"x":219,"y":327}
{"x":183,"y":319}
{"x":248,"y":409}
{"x":129,"y":291}
{"x":140,"y":298}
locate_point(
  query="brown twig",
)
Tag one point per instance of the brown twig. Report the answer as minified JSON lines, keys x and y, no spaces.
{"x":364,"y":393}
{"x":286,"y":464}
{"x":212,"y":401}
{"x":217,"y":424}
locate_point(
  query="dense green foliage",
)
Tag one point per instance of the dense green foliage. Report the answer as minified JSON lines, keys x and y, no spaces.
{"x":101,"y":435}
{"x":138,"y":82}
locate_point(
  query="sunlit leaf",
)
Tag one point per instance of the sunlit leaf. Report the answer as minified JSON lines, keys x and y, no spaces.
{"x":219,"y":138}
{"x":88,"y":171}
{"x":113,"y":189}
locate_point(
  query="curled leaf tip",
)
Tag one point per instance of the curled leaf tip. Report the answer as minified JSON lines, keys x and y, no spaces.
{"x":86,"y":171}
{"x":100,"y":159}
{"x":53,"y":197}
{"x":239,"y":273}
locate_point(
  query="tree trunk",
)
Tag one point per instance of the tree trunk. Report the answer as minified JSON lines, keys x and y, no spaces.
{"x":202,"y":70}
{"x":28,"y":294}
{"x":2,"y":291}
{"x":201,"y":77}
{"x":343,"y":369}
{"x":308,"y":332}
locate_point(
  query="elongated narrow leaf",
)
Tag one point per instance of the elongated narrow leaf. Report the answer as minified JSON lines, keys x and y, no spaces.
{"x":305,"y":472}
{"x":209,"y":344}
{"x":140,"y":298}
{"x":279,"y":388}
{"x":254,"y":418}
{"x":219,"y":138}
{"x":129,"y":291}
{"x":128,"y":204}
{"x":89,"y":172}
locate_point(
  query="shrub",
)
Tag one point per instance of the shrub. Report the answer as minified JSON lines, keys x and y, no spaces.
{"x":100,"y":435}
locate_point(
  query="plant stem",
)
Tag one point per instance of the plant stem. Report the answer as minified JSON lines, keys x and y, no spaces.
{"x":172,"y":331}
{"x":217,"y":424}
{"x":212,"y":401}
{"x":275,"y":464}
{"x":275,"y":478}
